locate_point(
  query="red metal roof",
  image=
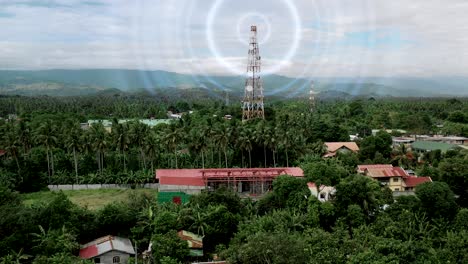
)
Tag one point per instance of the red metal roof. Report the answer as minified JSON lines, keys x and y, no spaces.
{"x":381,"y":170}
{"x":373,"y":166}
{"x":105,"y":244}
{"x":89,"y":252}
{"x":376,"y":172}
{"x":415,"y":181}
{"x":197,"y":177}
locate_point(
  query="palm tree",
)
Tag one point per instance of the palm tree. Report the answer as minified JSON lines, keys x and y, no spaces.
{"x":74,"y":143}
{"x":138,"y":135}
{"x":24,"y":133}
{"x":271,"y":142}
{"x":121,"y":140}
{"x":222,"y":138}
{"x":100,"y":143}
{"x":12,"y":144}
{"x":172,"y":138}
{"x":47,"y":136}
{"x":260,"y":138}
{"x":402,"y":156}
{"x":152,"y":146}
{"x":199,"y":220}
{"x":285,"y":143}
{"x":244,"y":142}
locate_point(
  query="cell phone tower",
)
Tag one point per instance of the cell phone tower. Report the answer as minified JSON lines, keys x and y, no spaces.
{"x":252,"y":105}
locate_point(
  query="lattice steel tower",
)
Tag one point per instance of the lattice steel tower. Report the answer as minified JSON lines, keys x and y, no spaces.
{"x":252,"y":105}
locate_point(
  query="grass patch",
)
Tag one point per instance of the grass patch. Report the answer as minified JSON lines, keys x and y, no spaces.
{"x":92,"y":199}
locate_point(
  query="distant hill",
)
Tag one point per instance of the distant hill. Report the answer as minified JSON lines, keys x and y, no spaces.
{"x":82,"y":82}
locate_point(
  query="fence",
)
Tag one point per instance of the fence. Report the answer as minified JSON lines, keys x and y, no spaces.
{"x":101,"y":186}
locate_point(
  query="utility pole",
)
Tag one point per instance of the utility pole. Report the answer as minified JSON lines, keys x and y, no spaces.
{"x":252,"y":105}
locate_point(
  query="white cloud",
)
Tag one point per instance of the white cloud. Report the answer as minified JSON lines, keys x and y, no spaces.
{"x":430,"y":36}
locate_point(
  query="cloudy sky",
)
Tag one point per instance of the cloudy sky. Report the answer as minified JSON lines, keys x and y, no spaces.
{"x":365,"y":38}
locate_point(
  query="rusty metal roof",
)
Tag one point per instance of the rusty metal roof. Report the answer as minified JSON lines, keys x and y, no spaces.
{"x":415,"y":181}
{"x":106,"y":244}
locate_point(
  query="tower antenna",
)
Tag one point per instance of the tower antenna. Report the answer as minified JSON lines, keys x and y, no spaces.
{"x":252,"y":105}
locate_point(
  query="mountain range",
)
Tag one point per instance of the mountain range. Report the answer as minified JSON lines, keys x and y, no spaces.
{"x":84,"y":82}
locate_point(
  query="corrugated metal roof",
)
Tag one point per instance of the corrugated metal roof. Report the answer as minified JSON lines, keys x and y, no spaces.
{"x":195,"y":177}
{"x":415,"y":181}
{"x":106,"y":244}
{"x":194,"y":241}
{"x":362,"y":168}
{"x":429,"y":145}
{"x":334,"y":146}
{"x":385,"y":172}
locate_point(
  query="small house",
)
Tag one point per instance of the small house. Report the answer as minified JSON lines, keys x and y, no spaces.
{"x":108,"y":250}
{"x":195,"y":242}
{"x":396,"y":178}
{"x":334,"y":148}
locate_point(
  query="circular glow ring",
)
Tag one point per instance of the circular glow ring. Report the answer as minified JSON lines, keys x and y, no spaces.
{"x":245,"y":40}
{"x":289,"y":55}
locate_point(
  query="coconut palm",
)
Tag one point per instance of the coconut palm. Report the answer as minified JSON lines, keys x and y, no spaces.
{"x":172,"y":139}
{"x":244,"y":142}
{"x":222,"y":138}
{"x":12,"y":144}
{"x":47,"y":136}
{"x":260,"y":138}
{"x":153,"y":143}
{"x":403,"y":156}
{"x":138,"y":132}
{"x":24,"y":133}
{"x":121,"y":140}
{"x":74,"y":143}
{"x":100,"y":143}
{"x":271,"y":142}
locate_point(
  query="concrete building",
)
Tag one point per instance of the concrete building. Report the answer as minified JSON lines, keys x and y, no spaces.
{"x":250,"y":182}
{"x":396,"y":178}
{"x":325,"y":193}
{"x":397,"y":141}
{"x":454,"y":140}
{"x":108,"y":250}
{"x":389,"y":131}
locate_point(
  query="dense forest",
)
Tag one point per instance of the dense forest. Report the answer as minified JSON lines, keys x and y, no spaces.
{"x":44,"y":144}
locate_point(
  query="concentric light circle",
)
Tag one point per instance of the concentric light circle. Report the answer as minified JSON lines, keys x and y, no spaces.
{"x":241,"y":37}
{"x":229,"y":66}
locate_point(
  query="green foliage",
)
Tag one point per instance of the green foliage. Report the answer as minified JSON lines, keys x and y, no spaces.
{"x":437,"y":200}
{"x":60,"y":259}
{"x":324,"y":172}
{"x":361,"y":191}
{"x":56,"y":241}
{"x":267,"y":247}
{"x":291,"y":192}
{"x":461,"y":220}
{"x":454,"y":171}
{"x":362,"y":224}
{"x":373,"y":146}
{"x":458,"y":117}
{"x":168,"y":245}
